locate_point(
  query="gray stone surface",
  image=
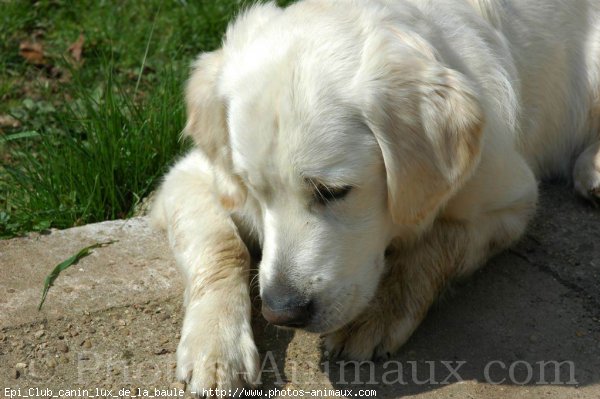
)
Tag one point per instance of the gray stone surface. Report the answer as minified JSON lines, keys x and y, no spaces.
{"x":112,"y":321}
{"x":137,"y":267}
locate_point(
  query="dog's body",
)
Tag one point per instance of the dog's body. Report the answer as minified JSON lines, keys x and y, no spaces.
{"x":334,"y":132}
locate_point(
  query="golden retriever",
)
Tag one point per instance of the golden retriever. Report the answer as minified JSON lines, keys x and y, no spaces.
{"x":373,"y":150}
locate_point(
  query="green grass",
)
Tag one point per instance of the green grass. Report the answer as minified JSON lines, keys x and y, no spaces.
{"x":95,"y":138}
{"x":108,"y":155}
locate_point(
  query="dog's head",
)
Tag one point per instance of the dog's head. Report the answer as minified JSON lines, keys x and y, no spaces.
{"x":345,"y":134}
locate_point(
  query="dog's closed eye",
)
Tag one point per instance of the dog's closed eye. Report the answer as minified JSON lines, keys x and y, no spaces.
{"x":324,"y":194}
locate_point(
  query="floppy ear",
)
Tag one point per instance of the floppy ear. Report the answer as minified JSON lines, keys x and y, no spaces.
{"x":206,"y":121}
{"x":428,"y":123}
{"x":207,"y":126}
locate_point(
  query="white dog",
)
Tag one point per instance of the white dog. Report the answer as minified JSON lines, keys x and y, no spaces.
{"x":372,"y":150}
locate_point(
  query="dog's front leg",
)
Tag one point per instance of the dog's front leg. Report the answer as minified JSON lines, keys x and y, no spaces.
{"x":217,"y":349}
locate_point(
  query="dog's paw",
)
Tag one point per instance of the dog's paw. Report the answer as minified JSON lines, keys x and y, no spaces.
{"x":356,"y":342}
{"x":367,"y":339}
{"x":589,"y":188}
{"x":586,"y":174}
{"x":215,"y":360}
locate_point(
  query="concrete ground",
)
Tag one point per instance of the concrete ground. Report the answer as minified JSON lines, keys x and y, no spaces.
{"x":526,"y":326}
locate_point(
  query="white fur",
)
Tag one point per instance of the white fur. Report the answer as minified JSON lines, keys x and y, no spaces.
{"x":441,"y":114}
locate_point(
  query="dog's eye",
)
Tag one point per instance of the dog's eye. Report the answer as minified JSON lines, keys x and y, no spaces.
{"x":324,"y":194}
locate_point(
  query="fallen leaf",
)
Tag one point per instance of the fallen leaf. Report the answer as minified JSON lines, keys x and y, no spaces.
{"x":9,"y":121}
{"x":76,"y":49}
{"x":33,"y":52}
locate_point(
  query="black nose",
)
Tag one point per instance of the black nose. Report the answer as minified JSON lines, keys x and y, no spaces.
{"x":285,"y":307}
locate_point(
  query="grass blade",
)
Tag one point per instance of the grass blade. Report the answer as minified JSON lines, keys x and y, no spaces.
{"x":139,"y":79}
{"x":65,"y":265}
{"x":17,"y":136}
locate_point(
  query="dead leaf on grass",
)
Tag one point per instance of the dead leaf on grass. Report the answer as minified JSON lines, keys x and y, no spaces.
{"x":76,"y":48}
{"x":33,"y":52}
{"x":9,"y":122}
